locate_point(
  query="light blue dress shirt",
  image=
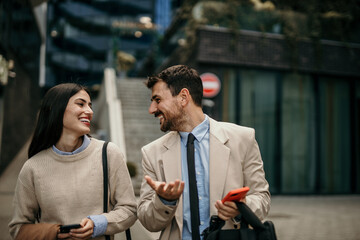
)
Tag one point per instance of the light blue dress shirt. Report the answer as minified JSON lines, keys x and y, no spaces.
{"x":202,"y":145}
{"x":100,"y":221}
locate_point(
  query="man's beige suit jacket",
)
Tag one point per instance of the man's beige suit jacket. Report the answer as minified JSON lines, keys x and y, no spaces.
{"x":235,"y":162}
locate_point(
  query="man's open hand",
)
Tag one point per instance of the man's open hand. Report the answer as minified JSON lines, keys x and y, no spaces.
{"x":168,"y":191}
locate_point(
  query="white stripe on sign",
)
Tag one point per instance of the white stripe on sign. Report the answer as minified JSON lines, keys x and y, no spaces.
{"x":210,"y":84}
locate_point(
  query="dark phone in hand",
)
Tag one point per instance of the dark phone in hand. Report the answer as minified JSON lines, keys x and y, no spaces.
{"x":66,"y":228}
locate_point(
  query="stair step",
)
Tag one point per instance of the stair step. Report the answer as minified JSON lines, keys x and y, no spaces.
{"x":140,"y":128}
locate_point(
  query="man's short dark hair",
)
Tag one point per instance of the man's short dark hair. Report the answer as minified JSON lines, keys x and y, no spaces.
{"x":178,"y":77}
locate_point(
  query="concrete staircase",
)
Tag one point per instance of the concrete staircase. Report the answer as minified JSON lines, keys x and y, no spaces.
{"x":140,"y":127}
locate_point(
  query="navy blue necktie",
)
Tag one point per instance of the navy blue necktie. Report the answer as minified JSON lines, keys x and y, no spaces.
{"x":194,"y":198}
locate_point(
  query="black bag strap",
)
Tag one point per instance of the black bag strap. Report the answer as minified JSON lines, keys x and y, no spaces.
{"x":105,"y":175}
{"x":128,"y":234}
{"x":212,"y":232}
{"x":249,"y":217}
{"x":105,"y":181}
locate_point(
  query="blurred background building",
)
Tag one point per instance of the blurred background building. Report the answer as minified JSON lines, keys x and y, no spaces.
{"x":292,"y":73}
{"x":289,"y":69}
{"x":22,"y":38}
{"x":87,"y":36}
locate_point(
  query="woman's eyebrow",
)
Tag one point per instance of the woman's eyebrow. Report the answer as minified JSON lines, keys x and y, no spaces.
{"x":83,"y":100}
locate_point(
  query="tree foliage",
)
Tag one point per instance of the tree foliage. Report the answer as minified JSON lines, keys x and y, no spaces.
{"x":312,"y":19}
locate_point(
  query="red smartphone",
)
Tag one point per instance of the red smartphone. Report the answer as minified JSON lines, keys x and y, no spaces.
{"x":236,"y":195}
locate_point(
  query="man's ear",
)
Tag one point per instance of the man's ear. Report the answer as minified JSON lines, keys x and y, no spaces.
{"x":184,"y":96}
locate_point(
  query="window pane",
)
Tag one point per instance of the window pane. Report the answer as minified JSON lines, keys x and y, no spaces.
{"x":258,"y":99}
{"x":335,"y":135}
{"x":298,"y":135}
{"x":229,"y":96}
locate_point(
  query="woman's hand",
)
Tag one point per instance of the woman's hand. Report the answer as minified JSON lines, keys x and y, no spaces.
{"x":85,"y":232}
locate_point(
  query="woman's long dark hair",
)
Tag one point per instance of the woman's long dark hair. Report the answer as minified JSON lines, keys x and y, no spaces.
{"x":49,"y":125}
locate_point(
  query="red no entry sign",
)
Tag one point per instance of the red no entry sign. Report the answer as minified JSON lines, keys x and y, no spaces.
{"x":211,"y":84}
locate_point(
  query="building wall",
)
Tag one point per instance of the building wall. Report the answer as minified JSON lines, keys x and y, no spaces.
{"x":20,"y":42}
{"x":272,"y":51}
{"x":306,"y":116}
{"x":21,"y":101}
{"x":303,"y":126}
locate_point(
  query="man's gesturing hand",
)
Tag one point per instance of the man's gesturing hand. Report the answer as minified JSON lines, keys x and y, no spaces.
{"x":168,"y":191}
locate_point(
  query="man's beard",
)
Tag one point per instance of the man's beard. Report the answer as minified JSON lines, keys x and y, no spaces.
{"x":173,"y":121}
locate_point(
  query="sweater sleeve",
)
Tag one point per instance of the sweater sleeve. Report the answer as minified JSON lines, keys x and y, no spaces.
{"x":122,"y":197}
{"x":40,"y":231}
{"x":25,"y":204}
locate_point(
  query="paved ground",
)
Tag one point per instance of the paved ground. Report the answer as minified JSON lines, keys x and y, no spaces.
{"x":316,"y":217}
{"x":295,"y":217}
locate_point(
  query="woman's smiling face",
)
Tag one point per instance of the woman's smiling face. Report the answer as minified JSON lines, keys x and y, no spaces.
{"x":78,"y":114}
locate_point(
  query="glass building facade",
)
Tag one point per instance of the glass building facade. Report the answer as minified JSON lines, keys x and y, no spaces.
{"x":84,"y":37}
{"x":307,"y":127}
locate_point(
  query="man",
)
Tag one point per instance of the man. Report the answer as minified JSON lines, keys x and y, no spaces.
{"x":227,"y":157}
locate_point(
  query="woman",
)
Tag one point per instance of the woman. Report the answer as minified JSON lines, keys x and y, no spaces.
{"x":62,"y":182}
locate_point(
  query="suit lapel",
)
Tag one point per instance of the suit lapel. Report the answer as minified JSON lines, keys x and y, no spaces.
{"x":219,"y":161}
{"x":172,"y":158}
{"x":172,"y":167}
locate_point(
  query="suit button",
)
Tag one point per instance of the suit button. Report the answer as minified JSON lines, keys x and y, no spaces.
{"x":167,"y":212}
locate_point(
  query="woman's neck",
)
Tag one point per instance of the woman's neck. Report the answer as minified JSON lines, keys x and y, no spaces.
{"x":69,"y":143}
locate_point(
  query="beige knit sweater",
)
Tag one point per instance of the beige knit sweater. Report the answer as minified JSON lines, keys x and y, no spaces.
{"x":70,"y":188}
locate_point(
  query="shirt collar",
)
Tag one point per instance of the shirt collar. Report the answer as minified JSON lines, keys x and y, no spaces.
{"x":199,"y":131}
{"x":86,"y":142}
